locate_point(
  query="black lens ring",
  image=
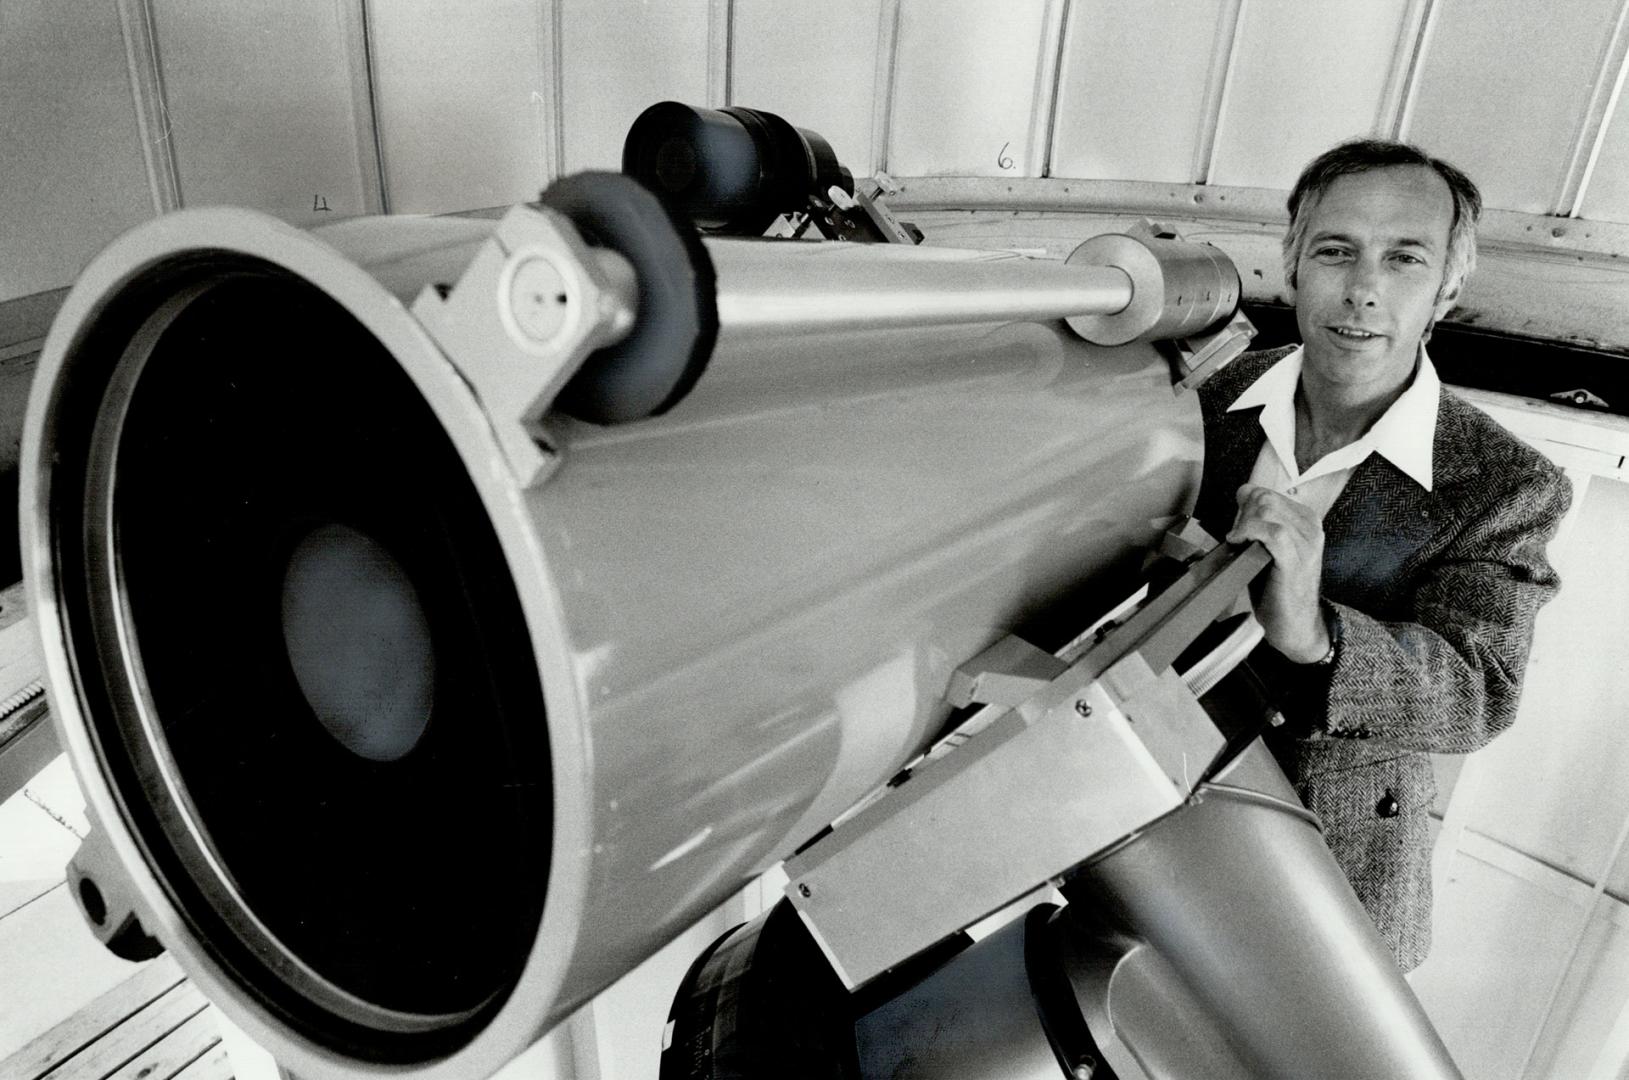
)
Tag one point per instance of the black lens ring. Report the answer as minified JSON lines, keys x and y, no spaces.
{"x":659,"y":361}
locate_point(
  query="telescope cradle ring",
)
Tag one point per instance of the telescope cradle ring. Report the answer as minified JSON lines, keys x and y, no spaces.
{"x":676,"y":325}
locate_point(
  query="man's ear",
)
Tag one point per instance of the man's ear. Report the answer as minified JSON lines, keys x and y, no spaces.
{"x":1445,"y":302}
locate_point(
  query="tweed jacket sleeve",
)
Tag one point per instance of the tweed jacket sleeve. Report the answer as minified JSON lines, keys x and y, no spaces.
{"x":1434,"y":593}
{"x":1445,"y":673}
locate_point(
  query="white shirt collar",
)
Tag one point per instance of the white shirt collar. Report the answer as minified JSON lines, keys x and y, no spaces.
{"x":1403,"y":434}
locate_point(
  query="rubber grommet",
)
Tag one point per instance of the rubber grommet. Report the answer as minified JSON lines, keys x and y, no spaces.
{"x":657,"y":364}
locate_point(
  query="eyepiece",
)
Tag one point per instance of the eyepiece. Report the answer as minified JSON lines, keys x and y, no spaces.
{"x":730,"y":170}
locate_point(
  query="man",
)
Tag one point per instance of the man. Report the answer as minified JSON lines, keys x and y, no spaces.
{"x":1407,"y":529}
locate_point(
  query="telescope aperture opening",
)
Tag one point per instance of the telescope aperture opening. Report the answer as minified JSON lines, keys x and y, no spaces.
{"x":293,"y":620}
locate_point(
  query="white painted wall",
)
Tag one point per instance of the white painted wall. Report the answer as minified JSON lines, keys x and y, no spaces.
{"x":972,"y":88}
{"x":430,"y":106}
{"x":260,"y":107}
{"x":822,"y":77}
{"x":71,"y":170}
{"x":1503,"y":88}
{"x":618,"y":57}
{"x":1304,"y":76}
{"x":1529,"y":974}
{"x":1112,"y":124}
{"x":464,"y":102}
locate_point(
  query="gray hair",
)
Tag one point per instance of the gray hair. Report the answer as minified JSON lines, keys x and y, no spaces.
{"x":1363,"y":155}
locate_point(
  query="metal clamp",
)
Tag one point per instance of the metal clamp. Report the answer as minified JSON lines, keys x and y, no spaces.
{"x":1062,"y":765}
{"x":96,"y":879}
{"x":534,"y":303}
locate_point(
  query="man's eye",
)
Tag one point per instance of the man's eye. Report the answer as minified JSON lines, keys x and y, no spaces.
{"x":1407,"y":259}
{"x":1329,"y":254}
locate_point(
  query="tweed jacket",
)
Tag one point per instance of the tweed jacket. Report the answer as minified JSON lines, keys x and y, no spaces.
{"x":1434,"y":595}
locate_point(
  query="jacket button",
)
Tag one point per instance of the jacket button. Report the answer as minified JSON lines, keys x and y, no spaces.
{"x":1387,"y":806}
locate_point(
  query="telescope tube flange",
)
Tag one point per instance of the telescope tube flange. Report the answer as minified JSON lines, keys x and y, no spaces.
{"x":1178,"y":288}
{"x":531,"y":307}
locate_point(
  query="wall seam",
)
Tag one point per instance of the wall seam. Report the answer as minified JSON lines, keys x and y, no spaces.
{"x":152,"y":109}
{"x":720,"y":45}
{"x":1597,"y":119}
{"x":1585,"y":922}
{"x":1416,"y":65}
{"x":1405,"y":54}
{"x":1214,"y":110}
{"x":729,"y":54}
{"x":370,"y":150}
{"x":882,"y":104}
{"x":551,"y":113}
{"x":1055,"y":89}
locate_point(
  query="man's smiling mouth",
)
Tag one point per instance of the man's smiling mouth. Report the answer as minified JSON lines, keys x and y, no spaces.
{"x":1352,"y":333}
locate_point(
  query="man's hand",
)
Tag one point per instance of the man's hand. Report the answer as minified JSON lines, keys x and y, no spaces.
{"x":1286,"y":597}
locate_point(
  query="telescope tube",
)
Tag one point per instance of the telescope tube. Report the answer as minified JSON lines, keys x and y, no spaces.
{"x":654,"y":674}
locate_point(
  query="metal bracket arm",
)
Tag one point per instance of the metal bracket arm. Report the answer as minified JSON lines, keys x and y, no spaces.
{"x":534,"y":303}
{"x":1081,"y":760}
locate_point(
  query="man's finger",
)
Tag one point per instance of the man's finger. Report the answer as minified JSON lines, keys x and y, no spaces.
{"x":1248,"y":491}
{"x":1279,"y":537}
{"x":1269,"y":505}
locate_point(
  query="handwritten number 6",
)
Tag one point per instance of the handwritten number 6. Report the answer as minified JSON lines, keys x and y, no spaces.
{"x":1001,"y":156}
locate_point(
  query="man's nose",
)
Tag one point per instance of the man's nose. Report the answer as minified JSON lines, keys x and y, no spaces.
{"x":1363,"y":284}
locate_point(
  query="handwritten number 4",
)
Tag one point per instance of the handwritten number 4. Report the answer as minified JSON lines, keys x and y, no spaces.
{"x":1001,"y":156}
{"x":320,"y":202}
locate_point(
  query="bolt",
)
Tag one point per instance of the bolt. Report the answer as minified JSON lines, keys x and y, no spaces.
{"x":1083,"y":707}
{"x":805,"y":892}
{"x":1084,"y":1069}
{"x":538,"y":299}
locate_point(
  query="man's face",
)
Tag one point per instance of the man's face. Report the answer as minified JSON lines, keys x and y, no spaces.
{"x":1369,"y":273}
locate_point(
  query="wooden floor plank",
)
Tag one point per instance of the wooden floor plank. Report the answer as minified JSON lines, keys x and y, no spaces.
{"x":136,"y":1034}
{"x":175,"y":1051}
{"x":214,"y":1065}
{"x":149,"y":982}
{"x":16,"y":895}
{"x":51,"y":966}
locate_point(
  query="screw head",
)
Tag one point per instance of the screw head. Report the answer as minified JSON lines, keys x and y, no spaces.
{"x":539,"y":299}
{"x":804,"y":891}
{"x":1083,"y":707}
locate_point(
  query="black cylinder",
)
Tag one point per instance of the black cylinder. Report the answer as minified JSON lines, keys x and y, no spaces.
{"x":731,"y":170}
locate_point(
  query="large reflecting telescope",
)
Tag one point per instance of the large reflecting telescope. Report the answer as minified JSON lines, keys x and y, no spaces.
{"x":441,"y":615}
